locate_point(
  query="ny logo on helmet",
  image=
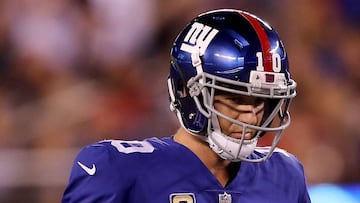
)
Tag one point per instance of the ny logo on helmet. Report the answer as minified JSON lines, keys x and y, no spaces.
{"x":198,"y":37}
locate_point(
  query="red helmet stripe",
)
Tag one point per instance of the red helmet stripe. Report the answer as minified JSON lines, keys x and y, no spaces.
{"x":264,"y":40}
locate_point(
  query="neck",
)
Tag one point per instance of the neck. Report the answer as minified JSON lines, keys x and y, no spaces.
{"x":216,"y":165}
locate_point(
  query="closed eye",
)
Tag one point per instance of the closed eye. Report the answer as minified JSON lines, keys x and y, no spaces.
{"x":245,"y":100}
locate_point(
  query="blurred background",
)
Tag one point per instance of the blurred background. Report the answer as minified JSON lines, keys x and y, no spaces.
{"x":74,"y":72}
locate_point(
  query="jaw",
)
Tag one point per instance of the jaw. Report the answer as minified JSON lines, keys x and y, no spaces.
{"x":200,"y":148}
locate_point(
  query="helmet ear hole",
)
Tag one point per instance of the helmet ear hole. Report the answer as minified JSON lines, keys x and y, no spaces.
{"x":181,"y":90}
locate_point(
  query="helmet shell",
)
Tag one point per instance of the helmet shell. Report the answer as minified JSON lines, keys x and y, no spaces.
{"x":231,"y":44}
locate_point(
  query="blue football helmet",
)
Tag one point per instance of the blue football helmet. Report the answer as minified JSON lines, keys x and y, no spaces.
{"x":236,"y":52}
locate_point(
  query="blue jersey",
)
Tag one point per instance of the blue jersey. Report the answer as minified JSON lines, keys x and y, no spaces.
{"x":164,"y":171}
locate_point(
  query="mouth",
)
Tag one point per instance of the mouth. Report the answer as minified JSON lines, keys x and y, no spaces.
{"x":239,"y":135}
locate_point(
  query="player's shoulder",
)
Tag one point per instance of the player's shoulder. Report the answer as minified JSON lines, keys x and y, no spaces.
{"x":120,"y":156}
{"x":277,"y":152}
{"x":109,"y":167}
{"x":136,"y":147}
{"x":280,"y":158}
{"x":284,"y":170}
{"x":281,"y":167}
{"x":123,"y":150}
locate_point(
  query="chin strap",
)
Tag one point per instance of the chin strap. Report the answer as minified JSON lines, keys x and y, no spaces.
{"x":231,"y":149}
{"x":196,"y":60}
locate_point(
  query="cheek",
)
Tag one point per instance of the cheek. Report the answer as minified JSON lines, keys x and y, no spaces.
{"x":224,"y":125}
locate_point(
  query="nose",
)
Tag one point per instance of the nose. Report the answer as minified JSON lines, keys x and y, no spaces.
{"x":248,"y":115}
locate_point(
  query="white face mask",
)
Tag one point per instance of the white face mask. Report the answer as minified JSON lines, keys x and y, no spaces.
{"x":230,"y":148}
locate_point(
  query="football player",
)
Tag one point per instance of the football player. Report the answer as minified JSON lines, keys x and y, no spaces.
{"x":230,"y":87}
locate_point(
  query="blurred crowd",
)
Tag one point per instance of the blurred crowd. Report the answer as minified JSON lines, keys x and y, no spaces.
{"x":73,"y":72}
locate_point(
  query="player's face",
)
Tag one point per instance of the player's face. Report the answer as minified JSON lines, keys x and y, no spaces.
{"x":243,"y":108}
